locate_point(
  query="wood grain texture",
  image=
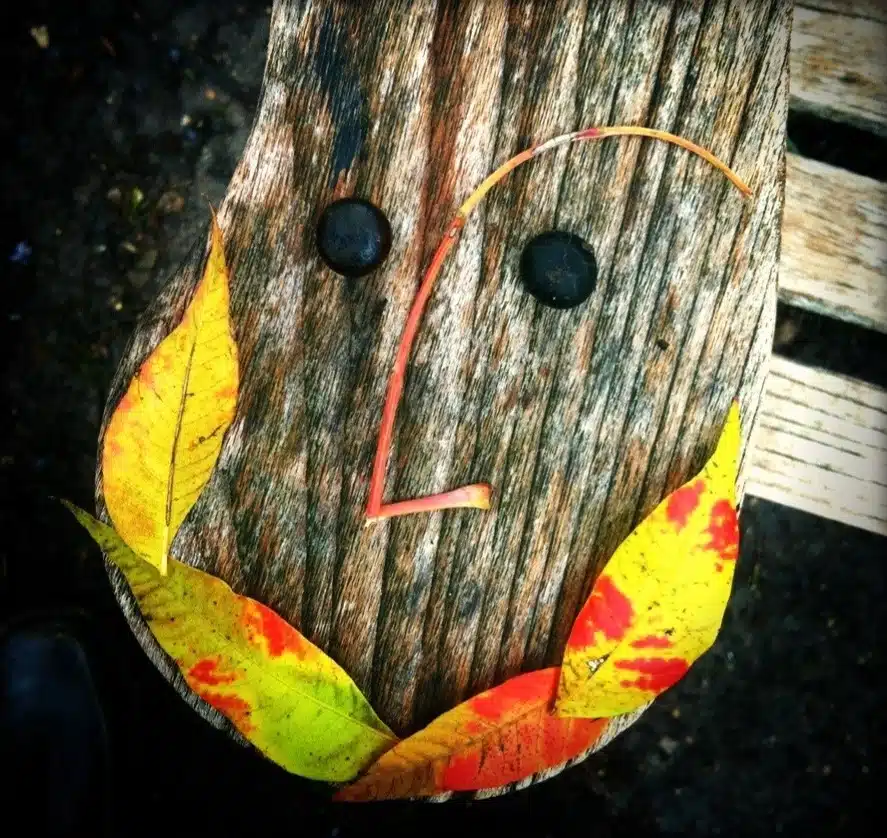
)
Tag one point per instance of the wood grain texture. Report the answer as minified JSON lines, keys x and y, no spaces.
{"x":834,"y":243}
{"x":821,"y":446}
{"x":839,"y":68}
{"x":583,"y":420}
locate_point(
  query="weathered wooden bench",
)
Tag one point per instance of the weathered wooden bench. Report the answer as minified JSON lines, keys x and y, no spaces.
{"x":821,"y":442}
{"x":582,"y":421}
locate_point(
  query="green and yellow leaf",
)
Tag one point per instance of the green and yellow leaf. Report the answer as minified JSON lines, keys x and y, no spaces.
{"x":659,"y":602}
{"x":165,"y":435}
{"x":292,"y":701}
{"x":498,"y":737}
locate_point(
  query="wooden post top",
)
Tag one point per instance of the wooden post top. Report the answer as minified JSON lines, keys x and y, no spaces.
{"x":582,"y":420}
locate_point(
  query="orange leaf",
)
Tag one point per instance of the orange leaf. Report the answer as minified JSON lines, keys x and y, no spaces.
{"x":501,"y":736}
{"x":658,"y":604}
{"x":165,"y":435}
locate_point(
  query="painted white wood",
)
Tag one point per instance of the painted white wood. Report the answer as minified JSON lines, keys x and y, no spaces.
{"x":820,"y":445}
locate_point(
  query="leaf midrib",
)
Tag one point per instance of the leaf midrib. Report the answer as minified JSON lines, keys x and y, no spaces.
{"x":170,"y":482}
{"x":471,"y":741}
{"x":248,"y":657}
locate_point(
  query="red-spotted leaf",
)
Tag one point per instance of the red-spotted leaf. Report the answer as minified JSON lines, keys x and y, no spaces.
{"x":501,"y":736}
{"x":659,"y":602}
{"x":288,"y":698}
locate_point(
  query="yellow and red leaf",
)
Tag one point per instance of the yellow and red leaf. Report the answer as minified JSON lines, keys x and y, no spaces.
{"x":498,"y":737}
{"x":659,"y":602}
{"x":292,"y":701}
{"x":165,"y":435}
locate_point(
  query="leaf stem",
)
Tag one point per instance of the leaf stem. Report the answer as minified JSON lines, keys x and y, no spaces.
{"x":477,"y":495}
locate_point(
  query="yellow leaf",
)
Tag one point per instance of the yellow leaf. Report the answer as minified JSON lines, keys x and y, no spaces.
{"x":659,"y":602}
{"x":165,"y":435}
{"x":292,"y":701}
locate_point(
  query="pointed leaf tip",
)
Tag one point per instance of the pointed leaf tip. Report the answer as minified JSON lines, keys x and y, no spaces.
{"x":659,"y":601}
{"x":165,"y":435}
{"x":730,"y":439}
{"x":288,"y":698}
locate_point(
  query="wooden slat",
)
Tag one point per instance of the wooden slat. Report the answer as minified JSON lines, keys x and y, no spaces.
{"x":821,"y":446}
{"x":871,"y":9}
{"x":834,"y":243}
{"x":839,"y":68}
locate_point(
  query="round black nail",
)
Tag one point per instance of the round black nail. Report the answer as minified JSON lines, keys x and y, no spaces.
{"x":558,"y":269}
{"x":353,"y":237}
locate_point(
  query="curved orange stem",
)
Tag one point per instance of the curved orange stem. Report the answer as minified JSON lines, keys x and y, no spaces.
{"x":477,"y":495}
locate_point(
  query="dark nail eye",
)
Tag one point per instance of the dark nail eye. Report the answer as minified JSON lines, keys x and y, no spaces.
{"x":558,"y":269}
{"x":353,"y":237}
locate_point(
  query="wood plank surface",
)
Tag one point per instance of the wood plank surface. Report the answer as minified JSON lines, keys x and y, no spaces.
{"x":821,"y":446}
{"x":839,"y":67}
{"x":870,"y":9}
{"x":582,"y":420}
{"x":834,"y":243}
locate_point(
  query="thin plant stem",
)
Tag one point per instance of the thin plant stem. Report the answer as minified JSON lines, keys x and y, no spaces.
{"x":477,"y":495}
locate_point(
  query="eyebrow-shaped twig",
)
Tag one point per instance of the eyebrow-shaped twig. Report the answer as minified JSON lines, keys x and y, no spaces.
{"x":477,"y":495}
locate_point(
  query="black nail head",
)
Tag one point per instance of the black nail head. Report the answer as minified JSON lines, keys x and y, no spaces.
{"x":353,"y":237}
{"x":558,"y":269}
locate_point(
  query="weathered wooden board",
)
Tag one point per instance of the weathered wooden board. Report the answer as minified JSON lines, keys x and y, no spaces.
{"x":582,"y":421}
{"x":871,"y":9}
{"x":821,"y":446}
{"x":834,"y":243}
{"x":839,"y":67}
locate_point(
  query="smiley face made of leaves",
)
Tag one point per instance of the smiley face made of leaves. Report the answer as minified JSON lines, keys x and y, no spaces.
{"x":656,"y":607}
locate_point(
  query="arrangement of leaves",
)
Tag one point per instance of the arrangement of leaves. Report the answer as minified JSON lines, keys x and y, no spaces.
{"x":287,"y":697}
{"x":655,"y":608}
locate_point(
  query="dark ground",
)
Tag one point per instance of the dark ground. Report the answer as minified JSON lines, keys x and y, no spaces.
{"x":120,"y":128}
